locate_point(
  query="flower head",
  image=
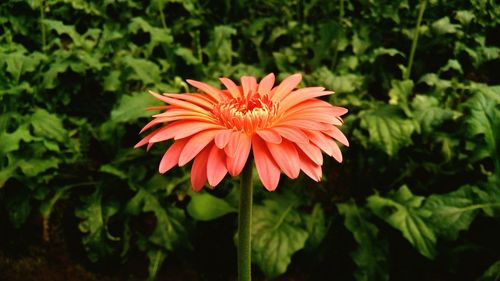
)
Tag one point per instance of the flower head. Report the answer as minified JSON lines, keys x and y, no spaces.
{"x":286,"y":130}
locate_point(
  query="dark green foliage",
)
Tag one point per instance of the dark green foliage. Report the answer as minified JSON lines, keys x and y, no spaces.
{"x":423,"y":166}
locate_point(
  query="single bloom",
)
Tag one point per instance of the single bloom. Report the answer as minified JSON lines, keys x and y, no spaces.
{"x":285,"y":128}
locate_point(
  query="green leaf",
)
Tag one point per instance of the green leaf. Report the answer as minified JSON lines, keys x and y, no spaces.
{"x":387,"y":128}
{"x":83,"y":5}
{"x":170,"y":228}
{"x":205,"y":207}
{"x":156,"y":258}
{"x":400,"y":93}
{"x":10,"y":141}
{"x":187,"y":55}
{"x":360,"y":41}
{"x":95,"y":215}
{"x":429,"y":114}
{"x":346,"y":83}
{"x":371,"y":253}
{"x":220,"y":49}
{"x":453,"y":212}
{"x":112,"y":81}
{"x":489,"y":198}
{"x":385,"y":51}
{"x":484,"y":120}
{"x":48,"y":125}
{"x":316,"y":225}
{"x":6,"y":173}
{"x":50,"y":76}
{"x":132,"y":107}
{"x":276,"y":235}
{"x":35,"y":166}
{"x":492,"y":273}
{"x":60,"y":28}
{"x":143,"y":70}
{"x":464,"y":16}
{"x":403,"y":211}
{"x":159,"y":35}
{"x":443,"y":26}
{"x":432,"y":79}
{"x":18,"y":62}
{"x":112,"y":170}
{"x":452,"y":64}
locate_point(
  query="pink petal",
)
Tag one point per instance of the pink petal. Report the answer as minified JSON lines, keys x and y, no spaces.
{"x":236,"y":163}
{"x":249,"y":85}
{"x":198,"y":99}
{"x":297,"y":97}
{"x":293,"y":134}
{"x":149,"y":146}
{"x":193,"y":117}
{"x":269,"y":135}
{"x":160,"y":107}
{"x":286,"y":86}
{"x":286,"y":156}
{"x":213,"y":92}
{"x":314,"y":104}
{"x":312,"y":151}
{"x":216,"y":166}
{"x":266,"y":84}
{"x":167,"y":132}
{"x":336,"y":153}
{"x":304,"y":124}
{"x":199,"y":170}
{"x":231,"y":86}
{"x":329,"y":111}
{"x":147,"y":138}
{"x":148,"y":125}
{"x":222,"y":139}
{"x":337,"y":134}
{"x":318,"y":116}
{"x":194,"y":128}
{"x":320,"y":141}
{"x":310,"y":168}
{"x":195,"y":144}
{"x":232,"y":145}
{"x":179,"y":103}
{"x":326,"y":144}
{"x":267,"y":169}
{"x":171,"y":157}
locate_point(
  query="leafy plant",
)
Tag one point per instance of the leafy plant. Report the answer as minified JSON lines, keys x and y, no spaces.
{"x":423,"y":167}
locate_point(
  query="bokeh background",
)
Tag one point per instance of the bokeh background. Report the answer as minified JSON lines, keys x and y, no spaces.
{"x":416,"y":198}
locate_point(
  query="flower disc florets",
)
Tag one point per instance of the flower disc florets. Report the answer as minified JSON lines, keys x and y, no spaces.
{"x":246,"y":114}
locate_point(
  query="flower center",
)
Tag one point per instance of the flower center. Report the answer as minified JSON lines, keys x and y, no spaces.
{"x":246,"y":114}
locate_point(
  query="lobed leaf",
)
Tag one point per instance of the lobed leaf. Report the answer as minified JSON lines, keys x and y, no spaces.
{"x":205,"y":207}
{"x":403,"y":211}
{"x":387,"y":128}
{"x":48,"y":125}
{"x":276,"y":235}
{"x":95,"y":215}
{"x":371,"y":254}
{"x":170,"y":229}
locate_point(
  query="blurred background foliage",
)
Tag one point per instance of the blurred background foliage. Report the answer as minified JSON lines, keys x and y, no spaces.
{"x":417,"y":197}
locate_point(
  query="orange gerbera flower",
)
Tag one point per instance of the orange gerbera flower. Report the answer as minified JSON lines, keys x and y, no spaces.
{"x":286,"y":130}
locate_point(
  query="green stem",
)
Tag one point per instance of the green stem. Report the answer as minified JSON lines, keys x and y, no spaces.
{"x":162,"y":15}
{"x":42,"y":25}
{"x":341,"y":23}
{"x":245,"y":225}
{"x":407,"y":73}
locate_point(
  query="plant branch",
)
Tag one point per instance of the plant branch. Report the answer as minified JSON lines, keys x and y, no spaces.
{"x":414,"y":43}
